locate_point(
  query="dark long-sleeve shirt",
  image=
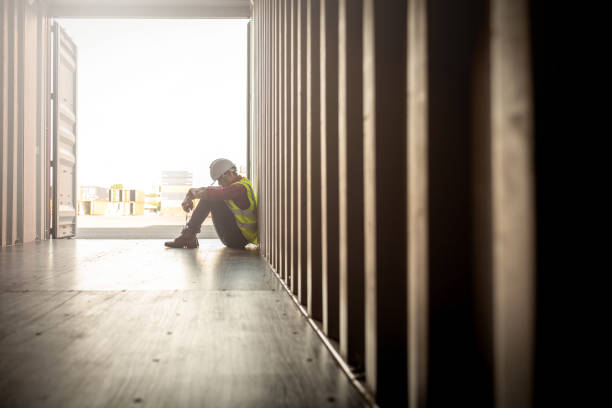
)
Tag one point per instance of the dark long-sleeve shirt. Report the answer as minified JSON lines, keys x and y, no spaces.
{"x":235,"y":192}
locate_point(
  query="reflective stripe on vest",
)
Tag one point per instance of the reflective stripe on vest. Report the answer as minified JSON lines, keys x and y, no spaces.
{"x":252,"y":227}
{"x":244,"y":213}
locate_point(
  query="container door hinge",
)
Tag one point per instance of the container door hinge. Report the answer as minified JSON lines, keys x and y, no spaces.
{"x":52,"y":95}
{"x":52,"y":163}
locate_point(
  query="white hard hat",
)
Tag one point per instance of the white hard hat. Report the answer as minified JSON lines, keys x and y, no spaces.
{"x":220,"y":166}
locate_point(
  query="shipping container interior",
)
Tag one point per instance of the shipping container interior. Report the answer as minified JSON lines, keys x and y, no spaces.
{"x":391,"y":145}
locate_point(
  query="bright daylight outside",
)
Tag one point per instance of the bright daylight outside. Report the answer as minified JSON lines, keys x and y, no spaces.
{"x":158,"y":101}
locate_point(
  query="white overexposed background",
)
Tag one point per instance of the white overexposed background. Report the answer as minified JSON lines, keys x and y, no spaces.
{"x":158,"y":95}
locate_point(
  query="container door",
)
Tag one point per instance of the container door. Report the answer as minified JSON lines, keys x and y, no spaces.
{"x":64,"y":134}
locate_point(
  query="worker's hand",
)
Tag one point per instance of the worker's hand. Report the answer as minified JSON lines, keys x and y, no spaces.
{"x":194,"y":193}
{"x":187,"y":205}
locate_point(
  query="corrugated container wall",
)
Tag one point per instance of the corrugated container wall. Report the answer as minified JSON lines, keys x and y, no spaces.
{"x":24,"y":93}
{"x":392,"y":145}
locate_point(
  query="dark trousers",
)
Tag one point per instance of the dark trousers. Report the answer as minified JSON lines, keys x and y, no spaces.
{"x":223,"y":220}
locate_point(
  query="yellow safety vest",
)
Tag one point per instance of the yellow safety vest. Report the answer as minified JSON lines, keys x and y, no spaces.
{"x":246,"y":219}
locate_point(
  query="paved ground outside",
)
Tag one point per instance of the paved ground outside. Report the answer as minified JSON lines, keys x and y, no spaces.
{"x":137,"y":227}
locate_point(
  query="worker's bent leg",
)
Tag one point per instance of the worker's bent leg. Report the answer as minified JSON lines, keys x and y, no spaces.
{"x":199,"y":215}
{"x":226,"y":226}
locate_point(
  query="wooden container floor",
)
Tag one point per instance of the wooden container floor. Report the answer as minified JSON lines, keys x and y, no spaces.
{"x":123,"y":323}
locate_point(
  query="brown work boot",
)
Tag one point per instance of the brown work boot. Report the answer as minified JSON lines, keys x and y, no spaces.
{"x":187,"y":239}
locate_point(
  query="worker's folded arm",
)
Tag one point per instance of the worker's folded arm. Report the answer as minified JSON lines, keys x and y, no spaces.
{"x":194,"y":193}
{"x":235,"y":192}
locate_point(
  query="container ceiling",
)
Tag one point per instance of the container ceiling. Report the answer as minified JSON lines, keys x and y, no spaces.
{"x":151,"y":8}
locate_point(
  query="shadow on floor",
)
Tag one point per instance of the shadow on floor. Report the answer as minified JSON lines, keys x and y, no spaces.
{"x":148,"y":232}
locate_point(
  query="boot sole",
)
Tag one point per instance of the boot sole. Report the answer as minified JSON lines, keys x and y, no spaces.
{"x":188,"y":246}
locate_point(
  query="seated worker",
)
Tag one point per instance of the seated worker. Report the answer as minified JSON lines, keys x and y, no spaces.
{"x":233,"y":206}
